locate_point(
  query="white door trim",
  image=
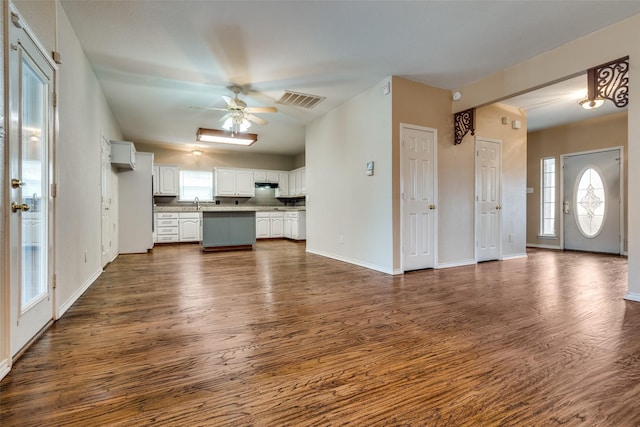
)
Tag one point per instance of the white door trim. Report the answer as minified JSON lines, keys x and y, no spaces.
{"x":476,"y":202}
{"x":622,"y":199}
{"x":407,"y":126}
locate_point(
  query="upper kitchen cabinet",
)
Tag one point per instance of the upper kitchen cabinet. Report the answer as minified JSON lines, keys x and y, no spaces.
{"x":166,"y":181}
{"x":123,"y":155}
{"x":297,"y":182}
{"x":234,"y":183}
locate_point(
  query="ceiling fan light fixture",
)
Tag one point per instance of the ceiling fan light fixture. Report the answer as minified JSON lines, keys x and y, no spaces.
{"x":197,"y":152}
{"x":591,"y":104}
{"x":222,"y":137}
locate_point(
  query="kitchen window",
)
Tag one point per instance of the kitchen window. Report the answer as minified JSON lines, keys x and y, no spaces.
{"x":196,"y":184}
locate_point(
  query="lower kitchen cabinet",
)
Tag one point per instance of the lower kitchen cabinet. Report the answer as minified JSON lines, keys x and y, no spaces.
{"x":295,"y":225}
{"x":172,"y":227}
{"x":269,"y":225}
{"x":189,"y":227}
{"x":166,"y":227}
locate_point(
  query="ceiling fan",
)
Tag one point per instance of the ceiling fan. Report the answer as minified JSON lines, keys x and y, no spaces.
{"x":239,"y":117}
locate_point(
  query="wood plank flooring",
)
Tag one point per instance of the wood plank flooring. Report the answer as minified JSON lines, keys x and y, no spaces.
{"x":279,"y":337}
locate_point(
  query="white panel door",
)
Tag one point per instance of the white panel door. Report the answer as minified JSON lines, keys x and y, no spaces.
{"x":30,"y":171}
{"x":488,"y":218}
{"x":105,"y":187}
{"x":591,"y":191}
{"x":418,"y":197}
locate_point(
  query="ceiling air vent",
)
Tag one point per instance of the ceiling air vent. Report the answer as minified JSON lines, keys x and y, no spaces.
{"x":302,"y":100}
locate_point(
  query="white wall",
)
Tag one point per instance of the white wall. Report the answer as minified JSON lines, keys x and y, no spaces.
{"x":577,"y":56}
{"x":83,"y":114}
{"x":343,"y":201}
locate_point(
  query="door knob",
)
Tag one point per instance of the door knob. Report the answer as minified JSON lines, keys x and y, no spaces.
{"x":15,"y":207}
{"x":432,"y":207}
{"x":498,"y":207}
{"x":566,"y":207}
{"x":16,"y":183}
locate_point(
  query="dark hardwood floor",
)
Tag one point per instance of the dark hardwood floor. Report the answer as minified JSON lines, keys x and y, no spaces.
{"x":279,"y":337}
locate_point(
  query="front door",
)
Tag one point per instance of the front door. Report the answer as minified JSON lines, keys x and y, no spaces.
{"x":591,"y":205}
{"x":30,"y":211}
{"x":488,"y":199}
{"x":418,"y":197}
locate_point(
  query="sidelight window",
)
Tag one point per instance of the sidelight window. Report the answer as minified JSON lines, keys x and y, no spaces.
{"x":548,"y":197}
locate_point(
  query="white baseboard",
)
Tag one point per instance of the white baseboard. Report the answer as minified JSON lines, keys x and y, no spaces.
{"x":355,"y":262}
{"x":514,"y":256}
{"x":5,"y":367}
{"x":77,"y":294}
{"x":456,"y":263}
{"x":630,"y":296}
{"x":539,"y":246}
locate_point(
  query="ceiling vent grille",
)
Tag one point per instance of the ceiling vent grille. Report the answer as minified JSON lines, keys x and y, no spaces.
{"x":301,"y":100}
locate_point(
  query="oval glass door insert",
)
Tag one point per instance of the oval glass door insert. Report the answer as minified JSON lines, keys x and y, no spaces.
{"x":590,"y":202}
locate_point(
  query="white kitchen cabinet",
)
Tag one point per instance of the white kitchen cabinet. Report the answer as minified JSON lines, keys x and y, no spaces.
{"x":266,"y":176}
{"x":273,"y":176}
{"x":189,"y":227}
{"x":276,"y":224}
{"x":283,"y":184}
{"x":166,"y":225}
{"x":234,"y":182}
{"x":123,"y":155}
{"x":166,"y":180}
{"x":295,"y":225}
{"x":263,"y":225}
{"x":297,"y":183}
{"x":269,"y":225}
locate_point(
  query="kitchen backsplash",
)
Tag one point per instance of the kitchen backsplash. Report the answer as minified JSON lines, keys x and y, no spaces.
{"x":263,"y":197}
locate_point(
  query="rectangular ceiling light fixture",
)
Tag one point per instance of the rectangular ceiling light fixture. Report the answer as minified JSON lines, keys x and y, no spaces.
{"x":223,"y":137}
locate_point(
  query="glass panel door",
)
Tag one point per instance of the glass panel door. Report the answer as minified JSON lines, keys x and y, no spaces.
{"x":34,"y":165}
{"x":31,"y":76}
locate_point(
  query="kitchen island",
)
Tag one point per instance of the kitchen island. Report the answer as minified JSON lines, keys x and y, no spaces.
{"x":224,"y":230}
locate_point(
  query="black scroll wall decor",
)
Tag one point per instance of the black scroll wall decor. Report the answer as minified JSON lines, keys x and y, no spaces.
{"x":611,"y":81}
{"x":463,"y":122}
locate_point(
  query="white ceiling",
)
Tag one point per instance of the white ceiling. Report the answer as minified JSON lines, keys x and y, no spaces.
{"x":157,"y":59}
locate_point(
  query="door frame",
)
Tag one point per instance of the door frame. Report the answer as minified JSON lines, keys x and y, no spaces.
{"x":622,"y":198}
{"x":404,"y":126}
{"x":476,"y":201}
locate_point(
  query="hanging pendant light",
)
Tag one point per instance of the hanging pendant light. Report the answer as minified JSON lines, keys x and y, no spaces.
{"x":592,"y":101}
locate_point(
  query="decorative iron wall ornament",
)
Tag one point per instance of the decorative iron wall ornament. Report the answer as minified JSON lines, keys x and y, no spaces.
{"x":611,"y":81}
{"x":463,"y":122}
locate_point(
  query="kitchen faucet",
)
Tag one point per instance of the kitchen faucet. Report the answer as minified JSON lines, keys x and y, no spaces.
{"x":196,"y":201}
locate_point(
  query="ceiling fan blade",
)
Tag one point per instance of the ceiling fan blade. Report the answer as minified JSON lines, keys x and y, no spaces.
{"x":209,"y":108}
{"x":225,"y":117}
{"x":230,"y":101}
{"x":261,"y":110}
{"x":255,"y":119}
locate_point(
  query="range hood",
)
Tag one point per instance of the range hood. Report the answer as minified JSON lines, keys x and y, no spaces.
{"x":266,"y":185}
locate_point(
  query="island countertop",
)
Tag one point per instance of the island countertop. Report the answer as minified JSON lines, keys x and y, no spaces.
{"x":226,"y":208}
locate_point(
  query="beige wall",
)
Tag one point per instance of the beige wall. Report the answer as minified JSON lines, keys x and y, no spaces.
{"x":183,"y":157}
{"x":592,"y":134}
{"x":575,"y":57}
{"x":514,"y":167}
{"x":418,"y":104}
